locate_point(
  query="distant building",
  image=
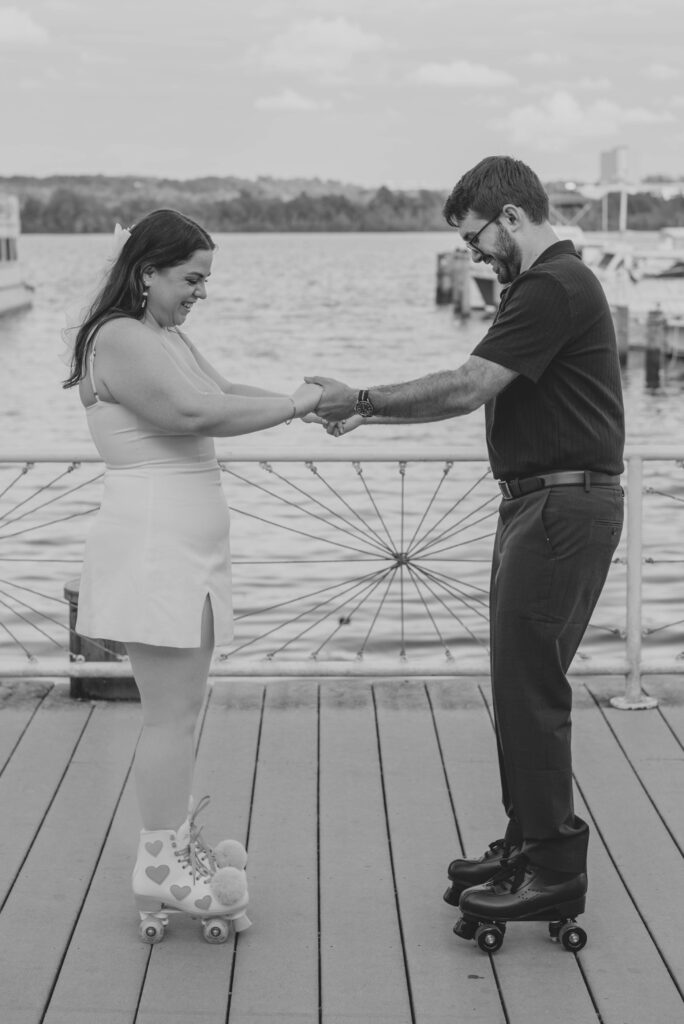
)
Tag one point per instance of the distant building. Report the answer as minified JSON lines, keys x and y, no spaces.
{"x":614,"y":166}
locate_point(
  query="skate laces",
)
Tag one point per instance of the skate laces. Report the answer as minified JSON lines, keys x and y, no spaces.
{"x":196,"y":854}
{"x":512,"y":871}
{"x":498,"y":844}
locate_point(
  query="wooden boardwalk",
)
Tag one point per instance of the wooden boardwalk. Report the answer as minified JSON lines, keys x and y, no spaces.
{"x":351,"y":799}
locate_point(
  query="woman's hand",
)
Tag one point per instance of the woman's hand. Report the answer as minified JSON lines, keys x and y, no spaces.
{"x":306,"y":398}
{"x":336,"y":429}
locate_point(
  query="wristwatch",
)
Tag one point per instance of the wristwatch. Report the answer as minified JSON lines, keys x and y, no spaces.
{"x":364,"y":407}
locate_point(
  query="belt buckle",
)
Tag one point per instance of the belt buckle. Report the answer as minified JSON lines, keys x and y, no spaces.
{"x":505,"y":489}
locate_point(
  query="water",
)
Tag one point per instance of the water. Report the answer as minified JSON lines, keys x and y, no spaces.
{"x":357,"y":307}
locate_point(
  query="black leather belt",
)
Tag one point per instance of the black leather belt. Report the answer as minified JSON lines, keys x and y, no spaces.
{"x":569,"y":478}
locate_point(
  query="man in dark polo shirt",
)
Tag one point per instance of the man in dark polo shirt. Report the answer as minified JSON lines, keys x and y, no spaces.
{"x":547,"y":372}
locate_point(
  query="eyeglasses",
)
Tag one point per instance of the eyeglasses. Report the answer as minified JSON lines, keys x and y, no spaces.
{"x":472,"y":242}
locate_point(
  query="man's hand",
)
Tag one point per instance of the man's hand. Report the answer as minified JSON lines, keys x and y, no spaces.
{"x":337,"y":401}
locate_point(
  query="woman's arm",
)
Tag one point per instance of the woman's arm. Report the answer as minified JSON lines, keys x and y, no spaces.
{"x":135,"y":370}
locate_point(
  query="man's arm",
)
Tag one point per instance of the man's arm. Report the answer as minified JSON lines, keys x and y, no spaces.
{"x":436,"y":396}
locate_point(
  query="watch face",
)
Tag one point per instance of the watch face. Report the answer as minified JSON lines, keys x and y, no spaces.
{"x":364,"y":408}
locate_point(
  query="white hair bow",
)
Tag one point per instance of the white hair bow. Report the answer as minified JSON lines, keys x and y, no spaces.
{"x":121,"y":236}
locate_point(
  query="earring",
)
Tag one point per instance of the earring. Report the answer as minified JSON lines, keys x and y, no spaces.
{"x":144,"y":298}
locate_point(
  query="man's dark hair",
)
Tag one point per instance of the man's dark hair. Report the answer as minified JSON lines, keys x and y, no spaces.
{"x":486,"y":188}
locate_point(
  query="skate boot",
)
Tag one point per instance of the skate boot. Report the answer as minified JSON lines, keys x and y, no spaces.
{"x":465,"y":873}
{"x":175,"y":872}
{"x":522,"y":891}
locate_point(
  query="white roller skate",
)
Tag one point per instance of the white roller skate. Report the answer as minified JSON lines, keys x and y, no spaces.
{"x":176,"y":872}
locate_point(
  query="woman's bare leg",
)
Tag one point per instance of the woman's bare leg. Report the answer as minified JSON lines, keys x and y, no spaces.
{"x":172,"y":683}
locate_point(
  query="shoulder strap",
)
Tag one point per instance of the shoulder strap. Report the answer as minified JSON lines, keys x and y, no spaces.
{"x":89,"y":355}
{"x":91,"y":369}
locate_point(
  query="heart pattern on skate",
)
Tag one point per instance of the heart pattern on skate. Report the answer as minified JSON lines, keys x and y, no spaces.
{"x":154,"y":848}
{"x":179,"y":892}
{"x":158,"y":874}
{"x":204,"y":903}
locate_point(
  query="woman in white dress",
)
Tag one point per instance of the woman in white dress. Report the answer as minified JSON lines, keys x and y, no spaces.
{"x":156,"y":573}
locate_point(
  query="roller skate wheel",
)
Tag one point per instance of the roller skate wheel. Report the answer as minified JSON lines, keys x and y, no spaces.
{"x":215,"y":930}
{"x":151,"y":930}
{"x":572,"y":937}
{"x":489,"y":937}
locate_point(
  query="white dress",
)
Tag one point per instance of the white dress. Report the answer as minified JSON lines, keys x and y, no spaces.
{"x":160,"y":543}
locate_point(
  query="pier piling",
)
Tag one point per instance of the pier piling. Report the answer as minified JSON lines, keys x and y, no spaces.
{"x":655,"y":344}
{"x":453,"y":281}
{"x":461,"y":288}
{"x":444,"y":292}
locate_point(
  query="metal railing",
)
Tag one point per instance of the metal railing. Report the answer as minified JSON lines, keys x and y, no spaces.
{"x":400,"y":555}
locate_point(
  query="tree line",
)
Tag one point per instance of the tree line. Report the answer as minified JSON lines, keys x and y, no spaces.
{"x":94,"y":204}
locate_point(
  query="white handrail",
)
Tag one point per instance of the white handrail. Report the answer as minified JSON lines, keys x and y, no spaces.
{"x":632,"y":666}
{"x":334,"y":451}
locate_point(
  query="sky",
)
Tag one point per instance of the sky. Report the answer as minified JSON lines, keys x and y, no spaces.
{"x":403,"y":93}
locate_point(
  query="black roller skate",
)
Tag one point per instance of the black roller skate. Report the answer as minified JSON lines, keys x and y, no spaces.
{"x":465,"y":873}
{"x":521,"y":891}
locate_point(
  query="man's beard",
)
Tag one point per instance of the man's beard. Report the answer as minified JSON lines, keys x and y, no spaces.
{"x":507,"y":260}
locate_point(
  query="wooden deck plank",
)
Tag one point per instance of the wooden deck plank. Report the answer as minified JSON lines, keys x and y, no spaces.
{"x":444,"y":982}
{"x":647,"y":860}
{"x":467,"y":740}
{"x":277,"y":963}
{"x":432,"y":757}
{"x":104,"y":969}
{"x":187,"y":978}
{"x":31,"y":777}
{"x":45,"y":902}
{"x":625,"y":974}
{"x":362,"y":966}
{"x":655,"y":755}
{"x":18,"y":704}
{"x":528,"y":958}
{"x":669,"y":690}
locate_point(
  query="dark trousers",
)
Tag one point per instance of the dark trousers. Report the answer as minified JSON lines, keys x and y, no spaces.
{"x":551,"y":557}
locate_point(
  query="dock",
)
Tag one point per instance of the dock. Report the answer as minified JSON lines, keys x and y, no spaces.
{"x":351,"y":798}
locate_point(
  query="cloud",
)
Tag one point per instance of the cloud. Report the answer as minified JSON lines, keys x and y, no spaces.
{"x":545,"y":59}
{"x":288,"y":99}
{"x":594,"y":84}
{"x":661,"y":72}
{"x":18,"y":27}
{"x":559,"y":121}
{"x":461,"y":72}
{"x":320,"y":45}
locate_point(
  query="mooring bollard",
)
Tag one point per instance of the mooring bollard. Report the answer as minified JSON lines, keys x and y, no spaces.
{"x":87,"y":649}
{"x":462,"y":283}
{"x":621,"y":321}
{"x":444,"y":292}
{"x":655,"y":343}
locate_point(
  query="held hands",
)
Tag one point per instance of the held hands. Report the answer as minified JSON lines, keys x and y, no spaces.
{"x":337,"y":401}
{"x":306,"y":399}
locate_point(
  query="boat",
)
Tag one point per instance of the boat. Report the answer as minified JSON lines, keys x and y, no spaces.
{"x":15,"y":292}
{"x":642,"y":276}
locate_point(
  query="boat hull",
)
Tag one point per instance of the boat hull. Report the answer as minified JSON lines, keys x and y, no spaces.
{"x":15,"y":294}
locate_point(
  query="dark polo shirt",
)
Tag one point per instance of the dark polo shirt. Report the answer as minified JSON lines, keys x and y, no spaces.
{"x":564,"y":410}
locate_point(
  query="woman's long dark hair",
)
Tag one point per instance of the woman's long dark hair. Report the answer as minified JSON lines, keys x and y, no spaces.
{"x":164,"y":238}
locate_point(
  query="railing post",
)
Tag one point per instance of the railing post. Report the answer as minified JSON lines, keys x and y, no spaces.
{"x":633,"y":698}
